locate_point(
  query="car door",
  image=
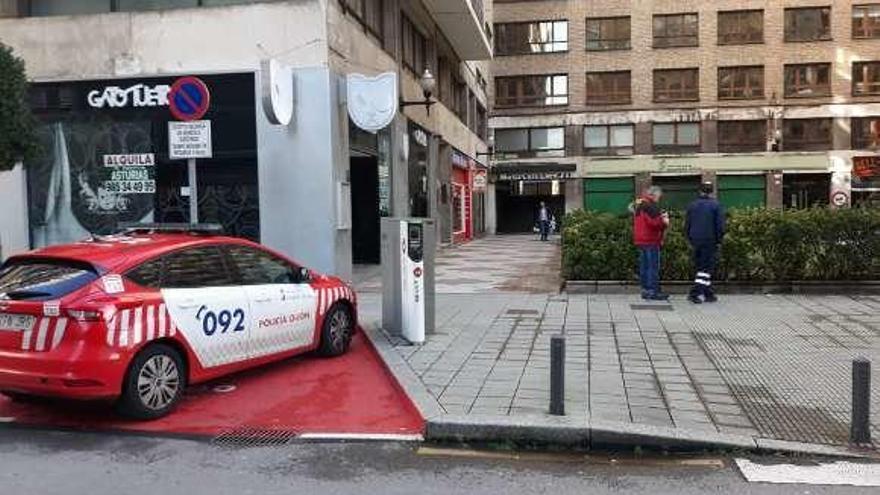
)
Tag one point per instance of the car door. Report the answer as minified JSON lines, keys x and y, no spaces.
{"x":283,"y":307}
{"x":207,"y":305}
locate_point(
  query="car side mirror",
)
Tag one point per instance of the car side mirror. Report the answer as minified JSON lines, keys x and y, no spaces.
{"x":304,"y":275}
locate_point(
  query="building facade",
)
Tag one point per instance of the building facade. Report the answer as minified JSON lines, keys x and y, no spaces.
{"x":315,"y":188}
{"x":773,"y":101}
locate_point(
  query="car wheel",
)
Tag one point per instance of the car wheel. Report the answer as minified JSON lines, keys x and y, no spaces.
{"x":337,"y":330}
{"x":154,"y":383}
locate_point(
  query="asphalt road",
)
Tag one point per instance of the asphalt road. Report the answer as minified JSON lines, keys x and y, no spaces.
{"x":35,"y":462}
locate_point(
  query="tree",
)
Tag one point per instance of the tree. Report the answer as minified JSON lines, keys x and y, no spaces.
{"x":17,"y":124}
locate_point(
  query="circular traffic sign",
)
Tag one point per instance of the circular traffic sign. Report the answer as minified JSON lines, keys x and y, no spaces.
{"x":189,"y":98}
{"x":840,"y":199}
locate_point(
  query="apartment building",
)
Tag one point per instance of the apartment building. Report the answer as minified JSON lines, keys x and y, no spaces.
{"x":315,"y":188}
{"x":773,"y":101}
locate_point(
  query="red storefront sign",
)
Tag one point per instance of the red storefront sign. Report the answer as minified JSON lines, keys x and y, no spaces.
{"x":866,"y":167}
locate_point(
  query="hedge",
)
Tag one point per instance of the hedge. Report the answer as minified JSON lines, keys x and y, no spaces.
{"x":761,"y":245}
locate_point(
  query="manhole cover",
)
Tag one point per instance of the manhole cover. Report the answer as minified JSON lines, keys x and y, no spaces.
{"x":246,"y":437}
{"x":651,"y":307}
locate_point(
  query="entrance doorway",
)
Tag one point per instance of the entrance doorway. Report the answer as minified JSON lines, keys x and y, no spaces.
{"x":805,"y":190}
{"x":365,"y":236}
{"x":518,"y":202}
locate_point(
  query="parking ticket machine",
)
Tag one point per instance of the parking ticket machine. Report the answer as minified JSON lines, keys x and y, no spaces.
{"x":408,"y":277}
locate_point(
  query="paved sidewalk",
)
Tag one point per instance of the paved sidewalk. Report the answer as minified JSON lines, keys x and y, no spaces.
{"x":761,"y":368}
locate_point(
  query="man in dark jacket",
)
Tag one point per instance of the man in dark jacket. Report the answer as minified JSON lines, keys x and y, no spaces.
{"x":704,"y":228}
{"x":649,"y":225}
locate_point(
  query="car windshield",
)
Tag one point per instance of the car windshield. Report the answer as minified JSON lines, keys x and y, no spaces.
{"x":43,"y":279}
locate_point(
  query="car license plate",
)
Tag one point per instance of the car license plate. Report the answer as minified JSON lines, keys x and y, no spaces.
{"x":16,"y":323}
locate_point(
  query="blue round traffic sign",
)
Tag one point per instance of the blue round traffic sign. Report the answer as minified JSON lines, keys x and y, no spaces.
{"x":189,"y":98}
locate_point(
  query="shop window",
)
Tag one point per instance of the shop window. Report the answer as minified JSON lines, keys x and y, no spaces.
{"x":535,"y":142}
{"x":608,"y":33}
{"x":866,"y":21}
{"x":676,"y":85}
{"x":672,"y":30}
{"x":805,"y":190}
{"x":523,"y":38}
{"x":604,"y":88}
{"x":808,"y":24}
{"x":866,"y":78}
{"x":676,"y":137}
{"x":807,"y":80}
{"x":740,"y":27}
{"x":414,"y":47}
{"x":609,"y":139}
{"x":806,"y":134}
{"x":531,"y":91}
{"x":865,"y":132}
{"x":740,"y":83}
{"x":368,"y":13}
{"x":742,"y":136}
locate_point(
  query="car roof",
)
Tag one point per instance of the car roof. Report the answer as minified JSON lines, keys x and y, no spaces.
{"x":122,"y":251}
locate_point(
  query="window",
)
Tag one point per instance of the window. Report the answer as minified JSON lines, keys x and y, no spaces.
{"x":806,"y":134}
{"x":482,"y":122}
{"x":740,"y":27}
{"x":676,"y":85}
{"x":37,"y":279}
{"x":679,"y":136}
{"x":414,"y":47}
{"x":742,"y":136}
{"x":196,"y":267}
{"x":808,"y":24}
{"x":863,"y":137}
{"x":608,"y":87}
{"x":805,"y":80}
{"x":672,"y":30}
{"x":521,"y":38}
{"x":540,"y":141}
{"x":531,"y":91}
{"x":866,"y":21}
{"x":259,"y":267}
{"x":608,"y":33}
{"x":368,"y":13}
{"x":735,"y":83}
{"x":609,"y":139}
{"x":39,"y":8}
{"x":147,"y":274}
{"x":866,"y":78}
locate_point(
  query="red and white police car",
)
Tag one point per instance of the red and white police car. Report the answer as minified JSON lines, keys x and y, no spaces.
{"x":136,"y":317}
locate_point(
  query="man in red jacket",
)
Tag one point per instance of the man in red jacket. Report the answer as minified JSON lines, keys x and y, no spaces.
{"x":649,"y":225}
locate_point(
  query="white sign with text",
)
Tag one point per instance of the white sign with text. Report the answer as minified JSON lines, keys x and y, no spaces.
{"x":189,"y":140}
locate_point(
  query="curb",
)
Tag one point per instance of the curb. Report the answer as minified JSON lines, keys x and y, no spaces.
{"x":729,"y":287}
{"x":574,"y":431}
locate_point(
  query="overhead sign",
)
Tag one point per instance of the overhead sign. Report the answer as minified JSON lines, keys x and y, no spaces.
{"x":139,"y":95}
{"x":189,"y":140}
{"x":189,"y":98}
{"x":372,"y":101}
{"x":277,"y":82}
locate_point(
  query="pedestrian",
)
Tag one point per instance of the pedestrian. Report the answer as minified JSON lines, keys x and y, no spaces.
{"x":544,"y":220}
{"x":704,"y":228}
{"x":649,"y":226}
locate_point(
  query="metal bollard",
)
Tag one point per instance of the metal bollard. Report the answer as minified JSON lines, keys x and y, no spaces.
{"x":860,"y":428}
{"x":557,"y":375}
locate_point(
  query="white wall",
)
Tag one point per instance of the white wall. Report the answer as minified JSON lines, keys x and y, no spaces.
{"x":14,"y":236}
{"x":220,"y":39}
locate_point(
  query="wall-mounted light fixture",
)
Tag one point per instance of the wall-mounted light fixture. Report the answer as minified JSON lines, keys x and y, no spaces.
{"x":427,"y":82}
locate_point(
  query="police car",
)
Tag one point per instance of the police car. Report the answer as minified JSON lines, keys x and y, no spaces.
{"x":136,"y":317}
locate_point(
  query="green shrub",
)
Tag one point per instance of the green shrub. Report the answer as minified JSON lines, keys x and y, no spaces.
{"x":760,"y":245}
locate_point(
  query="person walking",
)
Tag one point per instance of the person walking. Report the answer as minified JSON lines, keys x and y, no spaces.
{"x":544,"y":220}
{"x":704,"y":227}
{"x":649,"y":226}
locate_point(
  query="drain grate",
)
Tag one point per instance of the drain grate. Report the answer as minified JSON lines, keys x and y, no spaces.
{"x":650,"y":307}
{"x":247,"y":437}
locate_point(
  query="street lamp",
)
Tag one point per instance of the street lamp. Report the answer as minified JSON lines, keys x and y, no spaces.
{"x":427,"y":83}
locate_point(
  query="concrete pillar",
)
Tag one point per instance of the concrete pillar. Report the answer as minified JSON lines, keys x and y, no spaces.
{"x":574,"y":140}
{"x":711,"y":177}
{"x":709,"y":136}
{"x":642,"y":181}
{"x":574,"y":195}
{"x":644,"y":136}
{"x":841,"y":134}
{"x":491,"y":210}
{"x":774,"y":189}
{"x":434,"y":184}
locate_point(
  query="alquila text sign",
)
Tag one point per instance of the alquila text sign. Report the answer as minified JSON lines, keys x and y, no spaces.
{"x":187,"y":140}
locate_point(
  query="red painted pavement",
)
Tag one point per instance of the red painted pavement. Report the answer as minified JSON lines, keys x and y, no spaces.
{"x":353,"y":393}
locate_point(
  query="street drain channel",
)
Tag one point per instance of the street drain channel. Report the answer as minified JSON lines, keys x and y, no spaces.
{"x":246,"y":437}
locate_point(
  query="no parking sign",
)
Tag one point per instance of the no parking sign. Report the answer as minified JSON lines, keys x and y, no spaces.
{"x":189,"y":98}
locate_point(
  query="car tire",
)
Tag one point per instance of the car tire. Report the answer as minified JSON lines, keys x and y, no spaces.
{"x":336,"y":331}
{"x":154,"y":383}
